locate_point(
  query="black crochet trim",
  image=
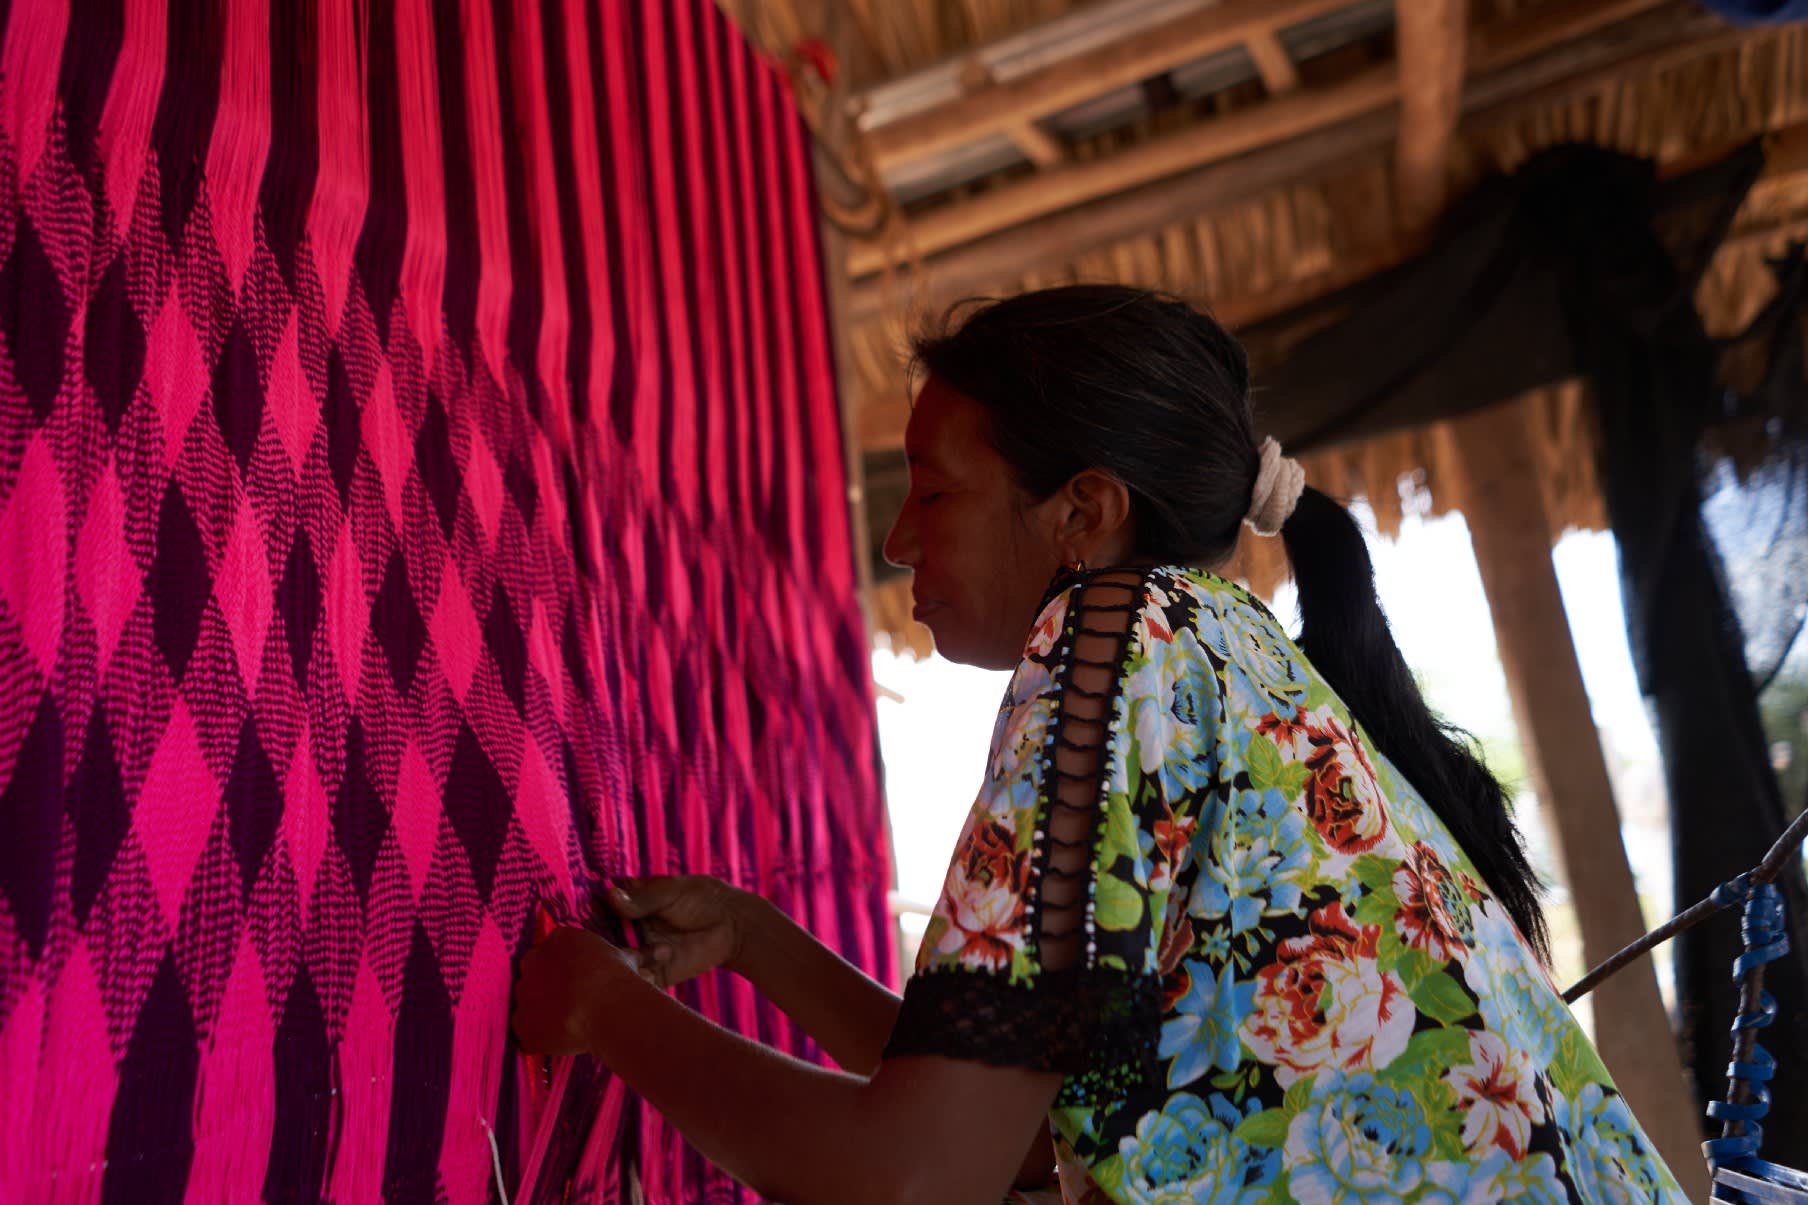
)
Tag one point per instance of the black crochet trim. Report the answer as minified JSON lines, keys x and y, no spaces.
{"x":1101,"y":1029}
{"x":1098,"y":731}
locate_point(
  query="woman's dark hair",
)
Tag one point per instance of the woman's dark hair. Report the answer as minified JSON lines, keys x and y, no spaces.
{"x":1146,"y":387}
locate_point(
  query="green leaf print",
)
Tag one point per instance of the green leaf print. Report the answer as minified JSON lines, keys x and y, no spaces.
{"x":1119,"y":839}
{"x":1021,"y":970}
{"x":1446,"y":1130}
{"x":1441,"y":998}
{"x":1264,"y":763}
{"x":1427,"y":1056}
{"x":1377,"y":874}
{"x":1392,"y":954}
{"x":1118,"y":906}
{"x":1108,"y":1174}
{"x":1299,"y":1094}
{"x":1576,"y":1065}
{"x":1378,"y":908}
{"x":1266,"y":1129}
{"x":932,"y":936}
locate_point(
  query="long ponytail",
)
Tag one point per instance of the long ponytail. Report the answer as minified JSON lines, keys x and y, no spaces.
{"x":1344,"y":633}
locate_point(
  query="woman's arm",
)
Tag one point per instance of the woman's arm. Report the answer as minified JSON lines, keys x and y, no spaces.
{"x":848,"y":1014}
{"x":693,"y":923}
{"x":919,"y":1130}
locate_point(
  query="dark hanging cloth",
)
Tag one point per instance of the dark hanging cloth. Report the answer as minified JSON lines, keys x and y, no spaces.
{"x":1584,"y":264}
{"x":1760,"y":12}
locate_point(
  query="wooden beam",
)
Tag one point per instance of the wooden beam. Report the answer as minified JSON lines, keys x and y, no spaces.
{"x":1430,"y":46}
{"x":1220,"y":138}
{"x":1502,"y":499}
{"x":1036,"y":94}
{"x":1076,"y":183}
{"x":1054,"y":242}
{"x":1279,"y":75}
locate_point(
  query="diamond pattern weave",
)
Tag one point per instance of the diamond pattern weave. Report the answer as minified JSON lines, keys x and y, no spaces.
{"x":420,"y":496}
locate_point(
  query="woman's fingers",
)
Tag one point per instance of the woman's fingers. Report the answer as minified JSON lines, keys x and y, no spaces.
{"x":632,"y":899}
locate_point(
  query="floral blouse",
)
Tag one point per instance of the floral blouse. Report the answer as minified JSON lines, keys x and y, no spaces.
{"x":1275,"y":977}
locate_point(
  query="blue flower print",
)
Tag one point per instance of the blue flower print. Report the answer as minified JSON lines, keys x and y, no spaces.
{"x":1498,"y":1177}
{"x":1515,"y":999}
{"x":1607,"y":1158}
{"x":1260,"y":857}
{"x":1201,"y":1036}
{"x":1174,"y":712}
{"x":1188,"y":1154}
{"x":1251,"y":640}
{"x":1357,"y":1142}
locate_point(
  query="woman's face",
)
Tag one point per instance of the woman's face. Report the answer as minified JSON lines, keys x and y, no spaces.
{"x":980,"y":551}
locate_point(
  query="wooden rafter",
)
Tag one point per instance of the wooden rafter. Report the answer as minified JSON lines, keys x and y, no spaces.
{"x":1072,"y":184}
{"x":1055,"y":242}
{"x":1001,"y":107}
{"x":1273,"y":63}
{"x":1051,"y":242}
{"x":1282,"y":118}
{"x":1223,"y":138}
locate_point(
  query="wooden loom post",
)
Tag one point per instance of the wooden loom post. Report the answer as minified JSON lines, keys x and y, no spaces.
{"x":1502,"y":499}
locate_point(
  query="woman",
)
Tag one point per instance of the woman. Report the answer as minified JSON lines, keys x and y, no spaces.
{"x":1236,"y":914}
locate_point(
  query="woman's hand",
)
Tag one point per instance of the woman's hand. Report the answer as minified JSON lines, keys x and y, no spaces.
{"x":564,"y":992}
{"x":689,"y":924}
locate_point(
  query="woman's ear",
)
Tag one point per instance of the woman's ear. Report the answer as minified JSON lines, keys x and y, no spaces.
{"x":1093,"y":519}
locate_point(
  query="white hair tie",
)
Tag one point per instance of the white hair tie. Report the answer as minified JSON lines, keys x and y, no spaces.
{"x":1279,"y":483}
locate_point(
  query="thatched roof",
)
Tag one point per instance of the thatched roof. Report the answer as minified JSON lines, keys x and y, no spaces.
{"x":1249,"y":191}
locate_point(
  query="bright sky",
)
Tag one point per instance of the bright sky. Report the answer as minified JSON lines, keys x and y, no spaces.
{"x":934,"y":742}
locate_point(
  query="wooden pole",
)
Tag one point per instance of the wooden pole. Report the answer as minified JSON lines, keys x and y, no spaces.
{"x":1429,"y":36}
{"x":1502,"y":499}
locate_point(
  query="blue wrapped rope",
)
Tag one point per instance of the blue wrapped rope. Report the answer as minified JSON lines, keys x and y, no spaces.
{"x":1750,"y":1071}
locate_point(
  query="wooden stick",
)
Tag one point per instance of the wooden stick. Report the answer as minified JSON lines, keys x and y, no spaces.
{"x":1043,"y":148}
{"x":1279,"y":75}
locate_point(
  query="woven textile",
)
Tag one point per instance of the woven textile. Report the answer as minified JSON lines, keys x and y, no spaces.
{"x":420,"y":495}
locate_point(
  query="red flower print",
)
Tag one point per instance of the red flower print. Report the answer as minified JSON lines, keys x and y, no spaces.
{"x":1497,"y":1095}
{"x":1171,"y":840}
{"x":984,"y":899}
{"x":1283,"y":730}
{"x":1433,"y":915}
{"x":1324,"y":1001}
{"x":992,"y":855}
{"x":1047,"y":632}
{"x":1343,"y":797}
